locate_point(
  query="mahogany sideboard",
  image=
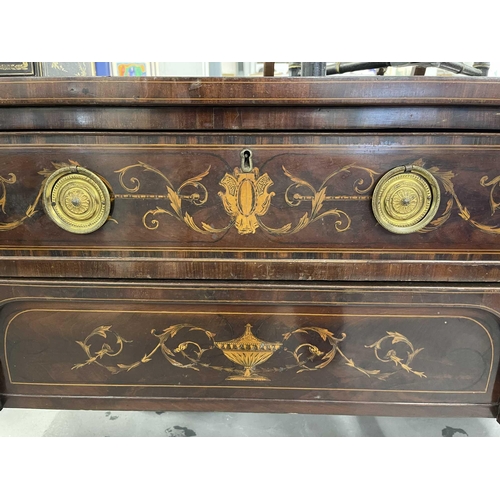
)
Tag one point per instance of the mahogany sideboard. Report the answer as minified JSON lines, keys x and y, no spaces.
{"x":265,"y":244}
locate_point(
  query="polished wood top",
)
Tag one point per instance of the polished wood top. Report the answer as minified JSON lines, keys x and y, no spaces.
{"x":338,"y":91}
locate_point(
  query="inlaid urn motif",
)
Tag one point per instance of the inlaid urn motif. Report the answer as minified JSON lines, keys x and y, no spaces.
{"x":248,"y":351}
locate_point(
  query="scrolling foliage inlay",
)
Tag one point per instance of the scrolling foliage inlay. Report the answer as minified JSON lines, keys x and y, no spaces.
{"x":32,"y":209}
{"x":248,"y":352}
{"x":246,"y":198}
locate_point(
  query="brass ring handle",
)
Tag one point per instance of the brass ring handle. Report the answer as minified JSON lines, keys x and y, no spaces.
{"x":406,"y":199}
{"x":76,"y":199}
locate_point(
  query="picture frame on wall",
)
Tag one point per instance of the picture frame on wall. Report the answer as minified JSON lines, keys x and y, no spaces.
{"x":65,"y":69}
{"x":20,"y":69}
{"x":133,"y":69}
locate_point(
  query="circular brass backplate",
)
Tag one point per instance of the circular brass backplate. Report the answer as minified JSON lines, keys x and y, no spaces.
{"x":406,"y":199}
{"x":76,"y":199}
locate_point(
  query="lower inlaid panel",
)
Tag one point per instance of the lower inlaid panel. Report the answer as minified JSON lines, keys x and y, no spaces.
{"x":308,"y":344}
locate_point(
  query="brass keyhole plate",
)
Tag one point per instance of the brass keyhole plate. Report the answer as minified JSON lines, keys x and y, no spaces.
{"x":406,"y":199}
{"x":76,"y":199}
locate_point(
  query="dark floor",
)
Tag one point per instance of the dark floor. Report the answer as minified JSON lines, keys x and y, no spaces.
{"x":177,"y":424}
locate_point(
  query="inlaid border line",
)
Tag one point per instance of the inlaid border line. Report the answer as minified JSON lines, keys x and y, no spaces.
{"x":258,"y":314}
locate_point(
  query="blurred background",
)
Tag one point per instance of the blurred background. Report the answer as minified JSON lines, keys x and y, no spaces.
{"x":244,"y":69}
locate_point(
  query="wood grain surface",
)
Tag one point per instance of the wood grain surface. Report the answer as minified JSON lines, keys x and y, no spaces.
{"x":242,"y":267}
{"x":338,"y":91}
{"x":155,"y":344}
{"x":337,"y":238}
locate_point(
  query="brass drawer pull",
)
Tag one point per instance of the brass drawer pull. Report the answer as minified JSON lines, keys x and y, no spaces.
{"x":406,"y":199}
{"x":76,"y":199}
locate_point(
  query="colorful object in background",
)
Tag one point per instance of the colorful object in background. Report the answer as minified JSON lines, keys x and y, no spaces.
{"x":132,"y":69}
{"x":102,"y":69}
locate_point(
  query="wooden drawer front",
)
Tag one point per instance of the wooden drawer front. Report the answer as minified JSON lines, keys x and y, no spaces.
{"x":184,"y":199}
{"x":229,"y":343}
